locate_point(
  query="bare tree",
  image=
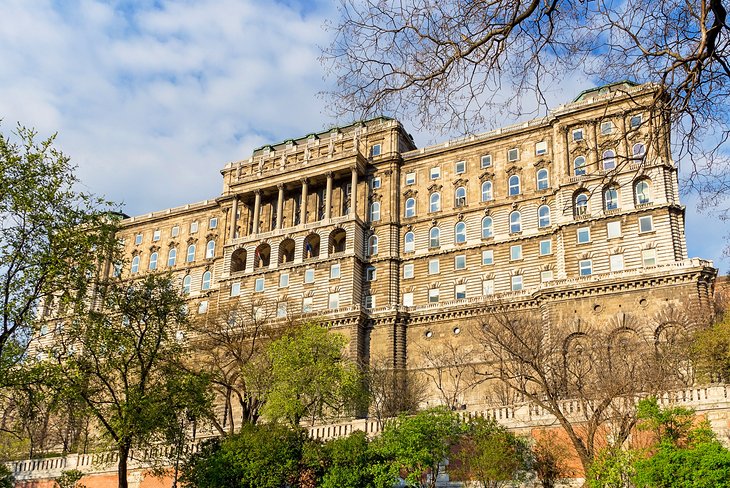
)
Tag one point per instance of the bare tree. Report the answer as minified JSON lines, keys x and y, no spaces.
{"x":393,"y":391}
{"x":451,"y":370}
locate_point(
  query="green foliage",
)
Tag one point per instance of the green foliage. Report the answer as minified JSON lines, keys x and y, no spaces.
{"x":311,"y":377}
{"x":611,"y":468}
{"x":349,"y":462}
{"x":6,"y":477}
{"x":549,"y":461}
{"x":711,"y":348}
{"x":705,"y":465}
{"x":70,"y":479}
{"x":668,"y":424}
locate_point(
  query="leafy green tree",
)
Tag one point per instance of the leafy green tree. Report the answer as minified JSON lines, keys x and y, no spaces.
{"x":123,"y":362}
{"x":711,"y":349}
{"x":311,"y":377}
{"x":612,"y":468}
{"x":416,"y":446}
{"x":6,"y":477}
{"x":70,"y":479}
{"x":349,"y":460}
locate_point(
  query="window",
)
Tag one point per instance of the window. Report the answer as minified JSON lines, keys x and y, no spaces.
{"x":434,"y":202}
{"x":609,"y":160}
{"x":307,"y":304}
{"x":334,"y":301}
{"x":515,"y":222}
{"x":210,"y":250}
{"x":546,"y":275}
{"x":513,"y":154}
{"x":577,"y":135}
{"x":370,"y":273}
{"x":375,"y":150}
{"x":460,"y":167}
{"x":153,"y":261}
{"x":193,"y":227}
{"x":581,"y":204}
{"x":460,"y":197}
{"x":616,"y":262}
{"x":408,"y":271}
{"x":372,"y":245}
{"x":207,"y":276}
{"x":460,"y":292}
{"x":488,"y":287}
{"x":369,"y":301}
{"x":187,"y":282}
{"x":281,"y":309}
{"x":486,"y":191}
{"x":409,"y":242}
{"x":435,"y":172}
{"x":516,"y":282}
{"x":487,"y":257}
{"x":641,"y":190}
{"x":309,"y":275}
{"x":541,"y":148}
{"x":411,"y":178}
{"x":175,"y":231}
{"x":646,"y":224}
{"x":610,"y":199}
{"x":487,"y":227}
{"x":283,"y":280}
{"x":584,"y":235}
{"x":235,"y":289}
{"x":648,"y":257}
{"x":434,"y":237}
{"x":191,"y":254}
{"x":410,"y":207}
{"x":486,"y":161}
{"x":636,"y":121}
{"x":606,"y":127}
{"x":335,"y":271}
{"x":433,"y":266}
{"x":514,"y":185}
{"x":408,"y":299}
{"x":515,"y":252}
{"x":546,"y":247}
{"x":613,"y":229}
{"x":585,"y":267}
{"x":543,"y":216}
{"x":135,"y":264}
{"x":259,"y":285}
{"x":542,"y":180}
{"x":460,"y":233}
{"x":138,"y":239}
{"x":117,"y":270}
{"x":213,"y":223}
{"x":460,"y":261}
{"x":375,"y":211}
{"x":579,"y":166}
{"x":156,"y":235}
{"x":433,"y":295}
{"x":375,"y":182}
{"x":172,"y":257}
{"x":638,"y":150}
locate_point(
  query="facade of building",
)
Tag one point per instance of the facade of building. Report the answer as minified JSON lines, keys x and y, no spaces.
{"x":575,"y":215}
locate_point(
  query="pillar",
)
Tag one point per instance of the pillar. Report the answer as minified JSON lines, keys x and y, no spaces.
{"x":234,"y":215}
{"x":303,"y":209}
{"x":353,"y":192}
{"x":328,"y":197}
{"x":280,"y":206}
{"x":256,"y":211}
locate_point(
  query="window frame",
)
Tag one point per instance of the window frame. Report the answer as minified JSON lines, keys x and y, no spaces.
{"x":374,"y":212}
{"x":335,"y":271}
{"x":541,"y":148}
{"x":408,"y":179}
{"x":487,"y":192}
{"x":434,"y":172}
{"x":172,"y":257}
{"x":616,"y":258}
{"x":613,"y":225}
{"x":577,"y":135}
{"x":514,"y":189}
{"x":583,"y":231}
{"x":542,"y":183}
{"x":153,"y":261}
{"x":487,"y":230}
{"x":410,"y":208}
{"x":408,"y":271}
{"x":515,"y":252}
{"x":434,"y":202}
{"x":485,"y":161}
{"x":190,"y":254}
{"x":409,"y":246}
{"x":646,"y":218}
{"x":460,"y":289}
{"x":207,"y":280}
{"x":309,"y":276}
{"x":284,"y":280}
{"x":437,"y":239}
{"x":460,"y":233}
{"x":580,"y":169}
{"x":210,"y":249}
{"x":545,"y":243}
{"x":516,"y":282}
{"x":434,"y":266}
{"x":460,"y":261}
{"x":460,"y":200}
{"x":460,"y":167}
{"x":513,"y":154}
{"x":487,"y":257}
{"x":543,"y":221}
{"x":585,"y":267}
{"x":515,"y":225}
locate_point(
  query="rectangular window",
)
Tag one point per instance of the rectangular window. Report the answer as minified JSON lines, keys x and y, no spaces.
{"x":546,"y":247}
{"x":156,"y":235}
{"x":375,"y":182}
{"x":460,"y":167}
{"x":235,"y":289}
{"x":487,"y":257}
{"x":281,"y":310}
{"x":307,"y":304}
{"x":606,"y":127}
{"x":259,"y":284}
{"x":433,"y":266}
{"x":203,"y":306}
{"x":488,"y":287}
{"x":516,"y":282}
{"x":370,"y":273}
{"x":486,"y":161}
{"x":193,"y":227}
{"x":175,"y":231}
{"x":585,"y":267}
{"x":334,"y":271}
{"x":408,"y":270}
{"x":613,"y":229}
{"x":577,"y":134}
{"x":375,"y":150}
{"x":370,"y":301}
{"x":541,"y":148}
{"x":213,"y":223}
{"x":411,"y":178}
{"x":546,"y":275}
{"x":646,"y":224}
{"x":616,"y":262}
{"x":433,"y":295}
{"x":138,"y":239}
{"x":309,"y":276}
{"x":648,"y":257}
{"x":513,"y":154}
{"x":515,"y":252}
{"x":334,"y":301}
{"x":435,"y":172}
{"x":283,"y":280}
{"x":636,"y":121}
{"x":408,"y":299}
{"x":584,"y":235}
{"x":460,"y":292}
{"x":460,"y":261}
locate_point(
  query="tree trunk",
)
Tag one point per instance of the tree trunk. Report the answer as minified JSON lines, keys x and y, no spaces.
{"x":122,"y":468}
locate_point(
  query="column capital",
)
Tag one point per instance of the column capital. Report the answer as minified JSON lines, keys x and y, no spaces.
{"x":328,"y":174}
{"x":257,"y":191}
{"x":303,"y":181}
{"x":280,"y":186}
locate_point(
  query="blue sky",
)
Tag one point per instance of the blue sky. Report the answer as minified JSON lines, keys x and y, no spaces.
{"x":152,"y":98}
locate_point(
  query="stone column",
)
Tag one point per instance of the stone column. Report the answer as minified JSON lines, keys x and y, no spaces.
{"x":234,"y":215}
{"x":353,"y":192}
{"x":328,"y":197}
{"x":280,"y":206}
{"x":256,"y":211}
{"x":303,"y":209}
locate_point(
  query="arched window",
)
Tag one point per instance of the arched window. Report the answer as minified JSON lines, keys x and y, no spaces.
{"x":374,"y":211}
{"x":642,"y":190}
{"x":609,"y":160}
{"x":514,"y":185}
{"x":434,"y":202}
{"x":487,"y":191}
{"x":191,"y":254}
{"x":434,"y":237}
{"x":338,"y":241}
{"x":153,"y":261}
{"x":543,"y":216}
{"x":460,"y":197}
{"x":581,"y":204}
{"x":187,"y":281}
{"x":262,"y":255}
{"x":579,"y":166}
{"x":409,"y":242}
{"x":172,"y":257}
{"x":515,"y":222}
{"x":135,"y":264}
{"x":286,"y":251}
{"x":411,"y":207}
{"x":610,"y":198}
{"x":238,"y":260}
{"x":638,"y":150}
{"x":205,"y":285}
{"x":542,"y":179}
{"x":210,"y":249}
{"x":372,"y":245}
{"x":487,"y":227}
{"x":460,"y":233}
